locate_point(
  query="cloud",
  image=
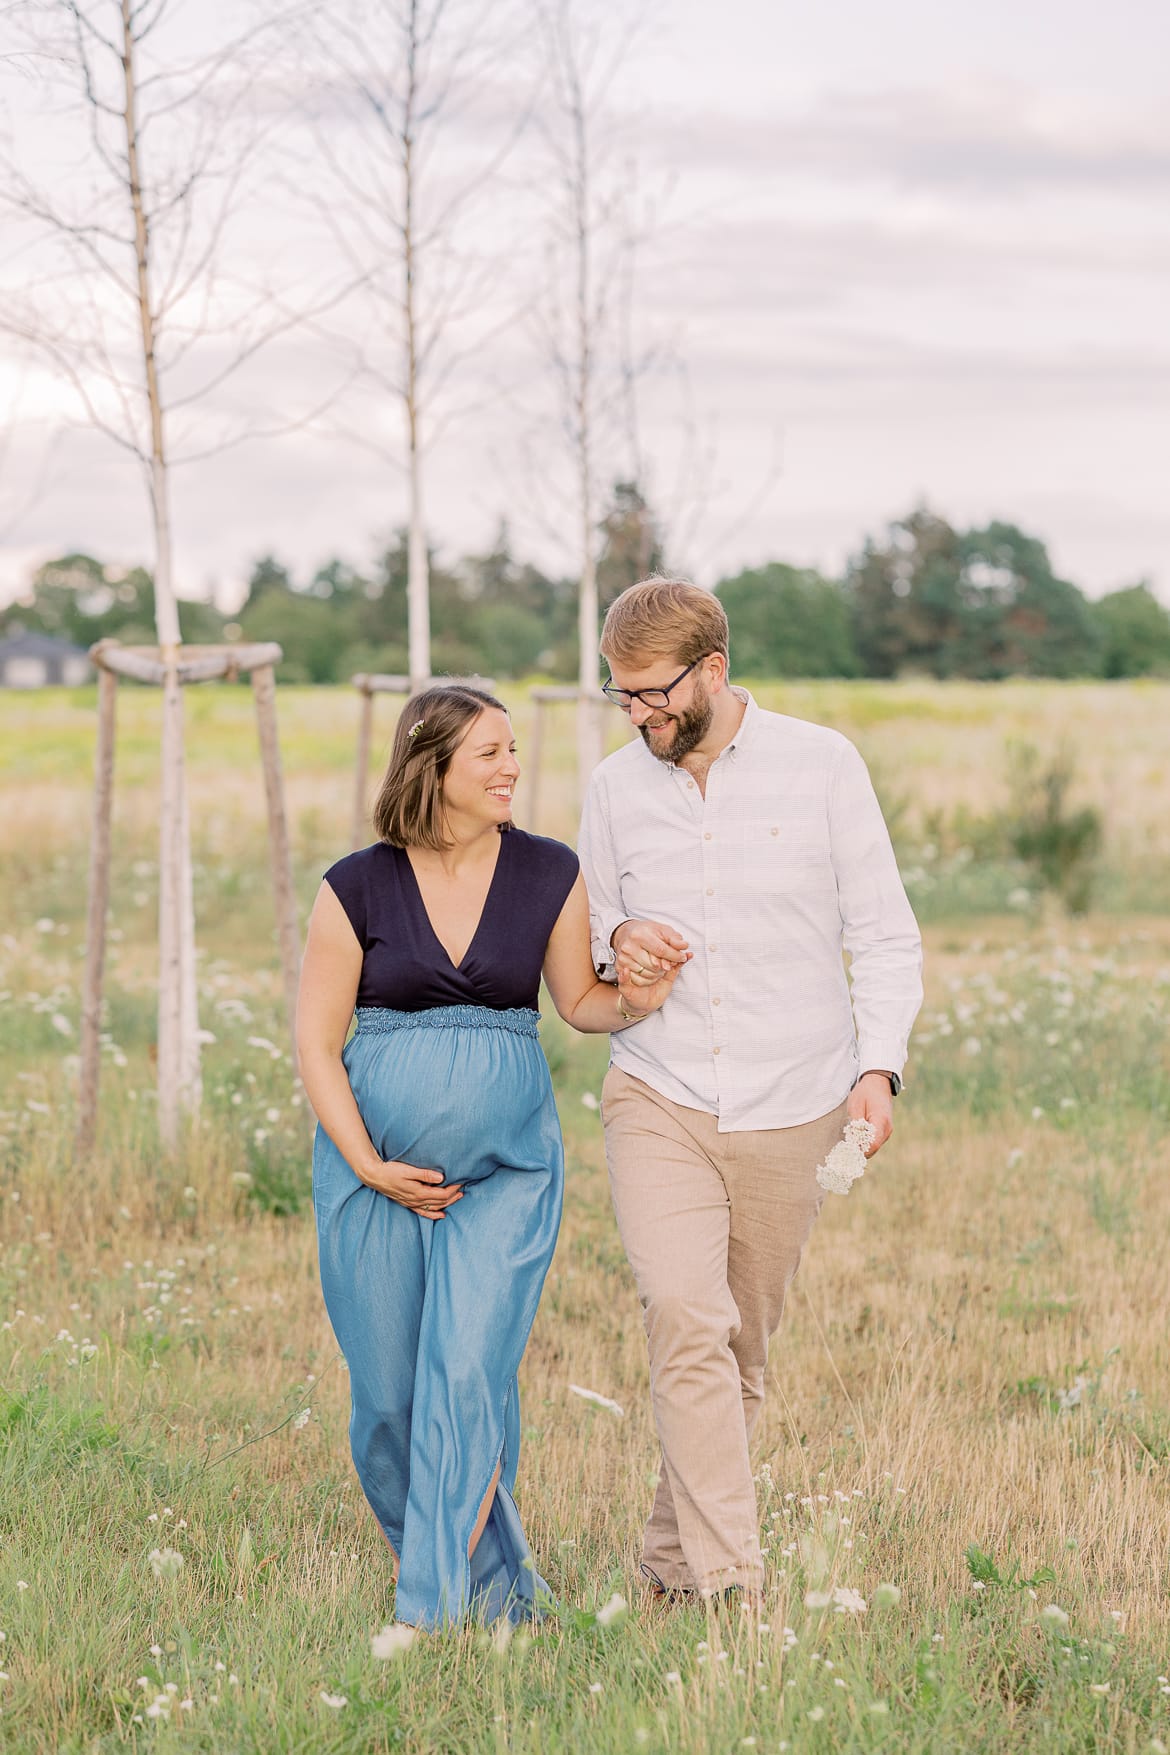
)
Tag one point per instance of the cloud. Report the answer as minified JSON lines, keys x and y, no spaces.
{"x":1003,"y":141}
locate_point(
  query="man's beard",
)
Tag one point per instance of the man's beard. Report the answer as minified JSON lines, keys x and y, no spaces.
{"x":690,"y":729}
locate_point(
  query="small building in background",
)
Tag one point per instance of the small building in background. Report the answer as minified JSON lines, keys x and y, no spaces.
{"x":38,"y":661}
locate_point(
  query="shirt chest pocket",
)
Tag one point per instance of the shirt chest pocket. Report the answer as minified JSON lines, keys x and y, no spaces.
{"x":775,"y":857}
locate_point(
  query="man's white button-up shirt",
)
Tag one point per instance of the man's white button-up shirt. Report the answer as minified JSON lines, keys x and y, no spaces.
{"x":784,"y":863}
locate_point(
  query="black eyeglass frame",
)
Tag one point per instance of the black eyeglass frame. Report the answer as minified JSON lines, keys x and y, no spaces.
{"x":625,"y":698}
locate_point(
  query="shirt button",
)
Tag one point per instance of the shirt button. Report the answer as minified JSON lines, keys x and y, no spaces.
{"x":775,"y":831}
{"x":707,"y":836}
{"x":690,"y":786}
{"x":714,"y":1002}
{"x":710,"y":892}
{"x":712,"y":947}
{"x":715,"y":1051}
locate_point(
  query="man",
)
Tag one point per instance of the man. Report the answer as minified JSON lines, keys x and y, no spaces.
{"x":749,"y":846}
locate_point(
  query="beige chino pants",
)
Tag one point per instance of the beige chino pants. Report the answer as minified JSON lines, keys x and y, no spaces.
{"x":714,"y":1225}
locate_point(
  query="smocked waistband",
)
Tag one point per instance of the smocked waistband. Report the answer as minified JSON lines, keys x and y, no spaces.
{"x":379,"y":1019}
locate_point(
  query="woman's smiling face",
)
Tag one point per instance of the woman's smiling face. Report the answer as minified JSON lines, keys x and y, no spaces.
{"x":481,"y":779}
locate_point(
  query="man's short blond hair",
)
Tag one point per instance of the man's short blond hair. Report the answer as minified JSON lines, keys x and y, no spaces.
{"x":664,"y":618}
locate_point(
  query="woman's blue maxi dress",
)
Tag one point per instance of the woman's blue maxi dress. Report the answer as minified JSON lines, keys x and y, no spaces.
{"x":433,"y":1318}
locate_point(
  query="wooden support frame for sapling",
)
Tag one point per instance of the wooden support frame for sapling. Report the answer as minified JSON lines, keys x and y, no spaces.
{"x":544,"y":695}
{"x":192,"y":664}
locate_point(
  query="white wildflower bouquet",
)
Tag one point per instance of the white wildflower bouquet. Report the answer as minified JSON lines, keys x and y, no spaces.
{"x":847,"y":1160}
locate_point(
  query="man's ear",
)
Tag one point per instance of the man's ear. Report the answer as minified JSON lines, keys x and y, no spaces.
{"x":717,"y":674}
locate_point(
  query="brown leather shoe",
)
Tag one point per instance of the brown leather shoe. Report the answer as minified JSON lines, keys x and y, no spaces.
{"x":667,"y":1595}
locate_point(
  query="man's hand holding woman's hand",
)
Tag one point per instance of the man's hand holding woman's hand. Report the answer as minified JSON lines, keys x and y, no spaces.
{"x":648,"y":957}
{"x":645,"y":949}
{"x":410,"y":1187}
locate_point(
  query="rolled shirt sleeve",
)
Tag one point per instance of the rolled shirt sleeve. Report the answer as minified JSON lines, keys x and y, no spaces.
{"x":878,"y":927}
{"x":595,"y":850}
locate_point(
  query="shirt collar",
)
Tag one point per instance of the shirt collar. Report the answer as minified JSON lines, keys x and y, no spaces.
{"x":748,"y":723}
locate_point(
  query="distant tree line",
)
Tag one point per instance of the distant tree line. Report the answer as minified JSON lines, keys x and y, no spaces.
{"x":925,"y":598}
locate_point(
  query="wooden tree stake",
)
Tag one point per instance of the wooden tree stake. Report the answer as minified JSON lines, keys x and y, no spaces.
{"x":99,"y":902}
{"x":280,"y":857}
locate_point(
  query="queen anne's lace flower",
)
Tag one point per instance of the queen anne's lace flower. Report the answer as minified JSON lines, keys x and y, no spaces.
{"x":846,"y":1162}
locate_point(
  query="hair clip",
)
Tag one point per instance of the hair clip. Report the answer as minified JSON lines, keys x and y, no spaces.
{"x":415,"y":729}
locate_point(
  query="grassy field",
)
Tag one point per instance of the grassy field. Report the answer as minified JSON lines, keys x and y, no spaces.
{"x":968,"y":1427}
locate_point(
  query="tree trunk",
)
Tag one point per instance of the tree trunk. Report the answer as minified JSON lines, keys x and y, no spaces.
{"x":418,"y":591}
{"x":418,"y":588}
{"x":178,"y":1025}
{"x":589,"y":732}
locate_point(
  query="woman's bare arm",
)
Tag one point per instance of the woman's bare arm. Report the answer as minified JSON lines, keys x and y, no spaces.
{"x":329,"y":982}
{"x":581,"y":999}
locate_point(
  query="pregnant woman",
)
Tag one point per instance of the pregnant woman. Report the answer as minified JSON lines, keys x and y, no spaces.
{"x":438,"y":1165}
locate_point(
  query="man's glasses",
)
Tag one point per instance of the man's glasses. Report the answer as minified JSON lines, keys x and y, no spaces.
{"x":623,"y":698}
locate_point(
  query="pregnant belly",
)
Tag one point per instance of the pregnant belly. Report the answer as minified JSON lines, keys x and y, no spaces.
{"x":460,"y":1104}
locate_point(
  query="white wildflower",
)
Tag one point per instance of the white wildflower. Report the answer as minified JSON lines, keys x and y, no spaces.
{"x":1055,"y":1617}
{"x":599,"y":1401}
{"x":166,"y":1562}
{"x":848,"y":1601}
{"x":393,"y":1641}
{"x":302,"y":1419}
{"x":817,"y":1714}
{"x":1071,"y":1398}
{"x":887,"y":1596}
{"x":1098,"y":1687}
{"x":847,"y":1160}
{"x":61,"y":1024}
{"x":614,"y":1612}
{"x":589,"y":1101}
{"x":817,"y":1599}
{"x":263,"y":1042}
{"x":336,"y":1701}
{"x":595,"y":1687}
{"x":502,"y":1637}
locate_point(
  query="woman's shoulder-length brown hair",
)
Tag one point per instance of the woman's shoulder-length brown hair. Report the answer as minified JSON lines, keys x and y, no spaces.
{"x":408,"y":811}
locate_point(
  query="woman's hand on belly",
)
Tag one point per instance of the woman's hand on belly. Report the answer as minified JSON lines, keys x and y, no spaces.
{"x":419,"y":1190}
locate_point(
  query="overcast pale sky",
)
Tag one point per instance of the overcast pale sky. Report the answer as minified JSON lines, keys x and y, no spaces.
{"x":920,"y":253}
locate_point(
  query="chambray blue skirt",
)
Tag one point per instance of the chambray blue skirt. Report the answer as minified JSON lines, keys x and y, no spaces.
{"x":433,"y":1318}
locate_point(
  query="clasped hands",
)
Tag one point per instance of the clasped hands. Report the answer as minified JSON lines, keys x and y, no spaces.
{"x":648,"y":957}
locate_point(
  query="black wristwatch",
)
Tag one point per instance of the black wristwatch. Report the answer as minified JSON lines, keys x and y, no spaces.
{"x":894,"y":1078}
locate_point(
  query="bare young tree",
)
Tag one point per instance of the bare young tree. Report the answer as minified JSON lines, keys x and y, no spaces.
{"x":585,"y":316}
{"x":406,"y":139}
{"x":123,"y":226}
